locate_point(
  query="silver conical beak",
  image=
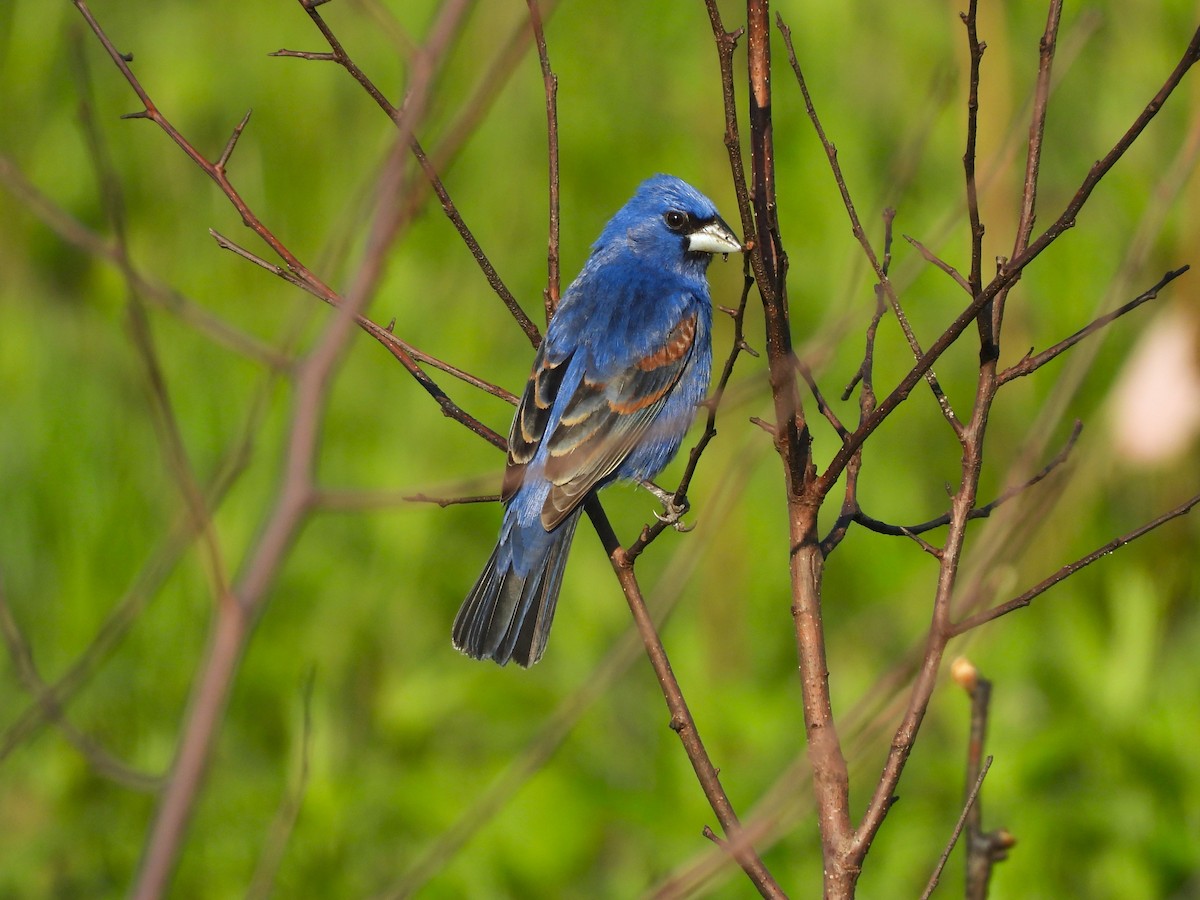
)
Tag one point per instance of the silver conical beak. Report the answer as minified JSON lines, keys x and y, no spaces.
{"x":715,"y":237}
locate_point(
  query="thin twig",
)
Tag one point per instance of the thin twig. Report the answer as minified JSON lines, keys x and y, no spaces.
{"x":1012,"y":269}
{"x":860,"y":234}
{"x":345,"y":500}
{"x":1031,"y":363}
{"x":681,"y":722}
{"x":931,"y":257}
{"x":958,"y":827}
{"x":451,"y":210}
{"x":979,"y":512}
{"x":1070,"y":569}
{"x":550,"y":80}
{"x":48,"y":701}
{"x":405,"y":353}
{"x":1033,"y":155}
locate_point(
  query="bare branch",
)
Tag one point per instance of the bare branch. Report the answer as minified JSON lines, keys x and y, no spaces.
{"x":958,"y":827}
{"x":979,"y":512}
{"x":342,"y":500}
{"x":1031,"y":363}
{"x":223,"y":159}
{"x":1071,"y":568}
{"x":861,"y":235}
{"x":1012,"y":269}
{"x":1037,"y":129}
{"x":395,"y":114}
{"x":975,"y":50}
{"x":931,"y":257}
{"x":681,"y":722}
{"x":305,"y":54}
{"x":405,"y":353}
{"x":551,"y":82}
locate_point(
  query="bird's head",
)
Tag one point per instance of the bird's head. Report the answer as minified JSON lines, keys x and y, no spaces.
{"x":670,"y":221}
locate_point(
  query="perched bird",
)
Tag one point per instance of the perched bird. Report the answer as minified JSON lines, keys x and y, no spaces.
{"x":615,"y":385}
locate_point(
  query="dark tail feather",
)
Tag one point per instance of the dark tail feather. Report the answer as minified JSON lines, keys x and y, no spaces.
{"x":507,"y":616}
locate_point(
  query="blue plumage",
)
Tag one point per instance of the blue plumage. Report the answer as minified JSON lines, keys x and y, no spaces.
{"x":614,"y":387}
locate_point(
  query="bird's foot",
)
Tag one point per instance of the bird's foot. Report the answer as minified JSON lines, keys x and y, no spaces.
{"x":673,"y":511}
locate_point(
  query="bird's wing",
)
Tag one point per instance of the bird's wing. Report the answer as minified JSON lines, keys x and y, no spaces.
{"x":605,"y":419}
{"x":533,"y":415}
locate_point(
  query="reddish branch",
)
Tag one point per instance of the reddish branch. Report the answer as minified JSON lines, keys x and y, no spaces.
{"x":793,"y":442}
{"x":623,"y":563}
{"x":845,"y":846}
{"x":237,"y":609}
{"x":342,"y":58}
{"x":682,"y":723}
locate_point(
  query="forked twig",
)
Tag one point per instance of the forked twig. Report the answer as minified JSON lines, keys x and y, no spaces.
{"x":861,"y":235}
{"x":343,"y":59}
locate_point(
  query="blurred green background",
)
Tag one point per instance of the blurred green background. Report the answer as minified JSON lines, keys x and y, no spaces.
{"x":1096,"y":709}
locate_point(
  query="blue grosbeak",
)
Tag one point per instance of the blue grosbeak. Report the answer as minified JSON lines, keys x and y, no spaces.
{"x":615,"y":385}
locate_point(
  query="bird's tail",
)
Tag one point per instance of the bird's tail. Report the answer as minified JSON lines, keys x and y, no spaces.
{"x":508,"y":612}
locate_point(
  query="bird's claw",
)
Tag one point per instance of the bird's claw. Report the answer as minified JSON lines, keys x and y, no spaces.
{"x":672,"y":515}
{"x":673,"y":510}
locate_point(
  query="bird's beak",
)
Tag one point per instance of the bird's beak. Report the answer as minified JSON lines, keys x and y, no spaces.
{"x":715,"y":237}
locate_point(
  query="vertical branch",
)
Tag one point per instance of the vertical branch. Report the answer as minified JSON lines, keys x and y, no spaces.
{"x":236,"y":610}
{"x":1033,"y":156}
{"x":975,"y":50}
{"x":726,"y":43}
{"x":831,"y":782}
{"x":768,"y":259}
{"x":988,"y":349}
{"x":768,"y":254}
{"x":979,"y":864}
{"x":984,"y":849}
{"x":551,"y":293}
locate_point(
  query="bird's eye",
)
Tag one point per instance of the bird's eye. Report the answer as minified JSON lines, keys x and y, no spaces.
{"x":675,"y":220}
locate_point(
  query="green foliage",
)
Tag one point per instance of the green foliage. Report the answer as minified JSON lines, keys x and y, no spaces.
{"x":1095,"y":708}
